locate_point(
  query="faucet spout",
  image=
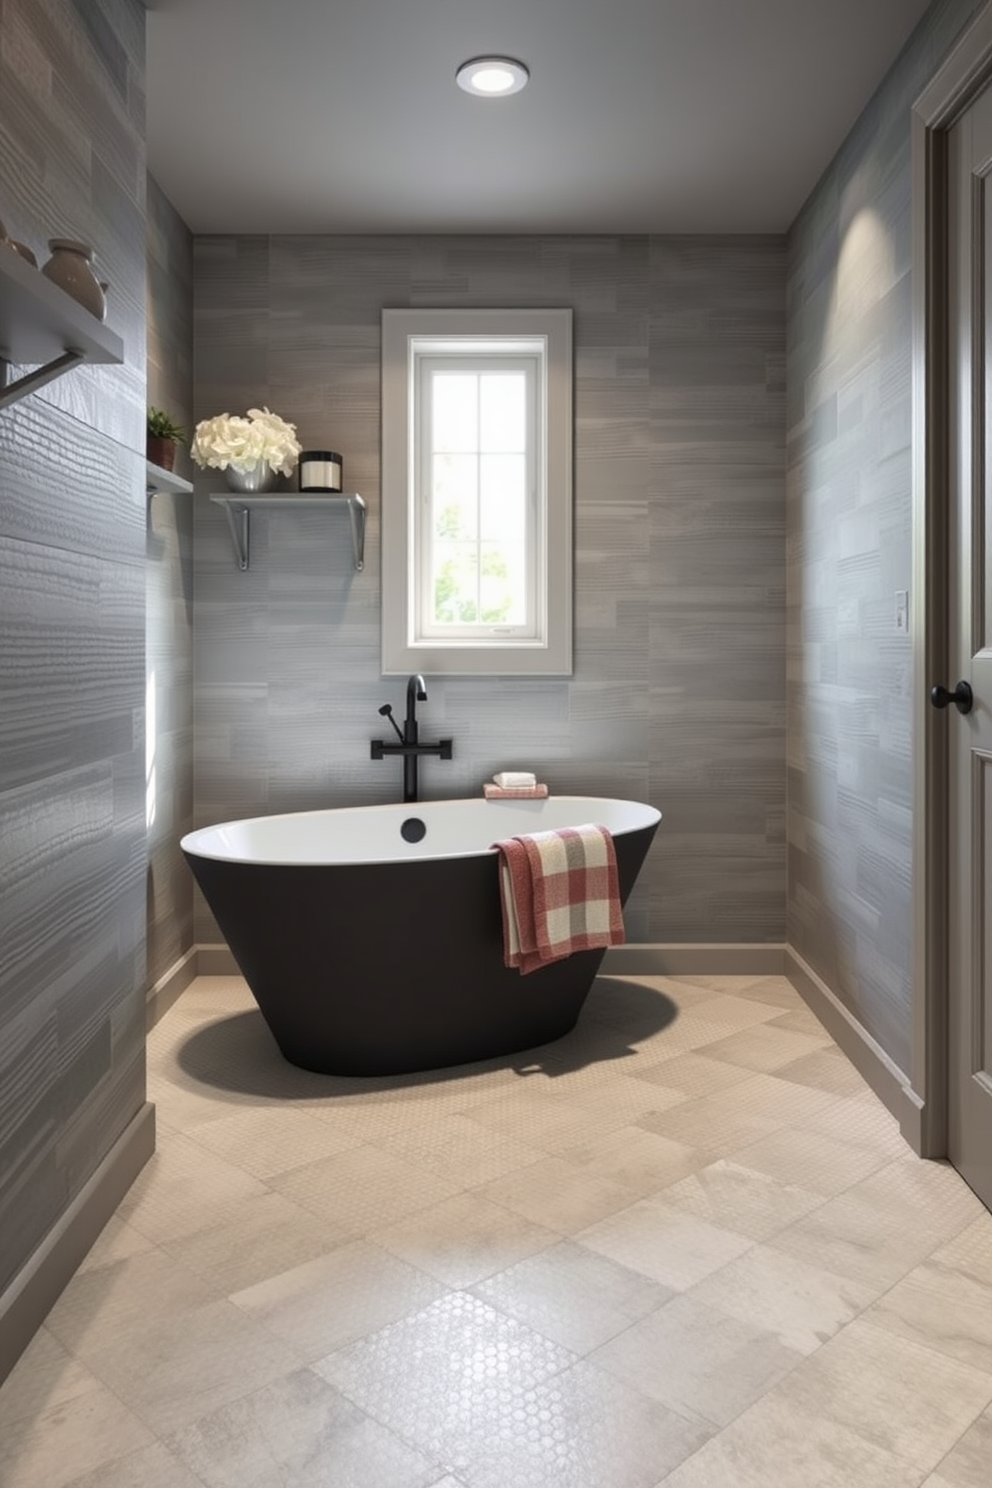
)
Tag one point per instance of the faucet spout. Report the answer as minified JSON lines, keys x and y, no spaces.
{"x":416,"y":692}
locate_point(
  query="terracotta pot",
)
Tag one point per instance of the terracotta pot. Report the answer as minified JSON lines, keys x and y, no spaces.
{"x":161,"y":452}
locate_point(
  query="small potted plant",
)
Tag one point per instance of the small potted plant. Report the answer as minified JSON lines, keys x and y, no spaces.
{"x":162,"y":436}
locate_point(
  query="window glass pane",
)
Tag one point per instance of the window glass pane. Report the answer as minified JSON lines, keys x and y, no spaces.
{"x":501,"y":592}
{"x":455,"y":405}
{"x":456,"y":583}
{"x":503,"y":411}
{"x":503,"y":497}
{"x":455,"y":496}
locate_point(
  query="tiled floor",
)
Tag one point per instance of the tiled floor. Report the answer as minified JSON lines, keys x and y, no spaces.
{"x":684,"y":1245}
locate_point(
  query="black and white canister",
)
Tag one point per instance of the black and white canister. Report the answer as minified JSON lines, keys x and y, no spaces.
{"x":321,"y":470}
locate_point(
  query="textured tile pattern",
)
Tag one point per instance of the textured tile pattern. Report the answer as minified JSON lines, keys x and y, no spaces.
{"x":295,"y":1291}
{"x":850,"y":538}
{"x":169,"y":597}
{"x":72,"y":598}
{"x":678,"y":692}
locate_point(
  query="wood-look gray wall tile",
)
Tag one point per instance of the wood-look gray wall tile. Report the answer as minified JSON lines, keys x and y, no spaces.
{"x":849,"y":483}
{"x":670,"y":336}
{"x":72,"y":625}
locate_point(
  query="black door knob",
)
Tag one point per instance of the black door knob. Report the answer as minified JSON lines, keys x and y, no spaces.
{"x":962,"y":697}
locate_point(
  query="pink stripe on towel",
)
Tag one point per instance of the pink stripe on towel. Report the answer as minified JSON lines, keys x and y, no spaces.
{"x":559,"y":893}
{"x":514,"y":792}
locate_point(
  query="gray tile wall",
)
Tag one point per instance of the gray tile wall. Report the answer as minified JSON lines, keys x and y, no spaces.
{"x":849,"y":545}
{"x":169,"y":614}
{"x":678,"y":692}
{"x":72,"y":596}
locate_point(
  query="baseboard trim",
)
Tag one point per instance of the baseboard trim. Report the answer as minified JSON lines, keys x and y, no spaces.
{"x":886,"y":1079}
{"x":688,"y":958}
{"x":29,"y":1298}
{"x":216,"y":960}
{"x":170,"y":987}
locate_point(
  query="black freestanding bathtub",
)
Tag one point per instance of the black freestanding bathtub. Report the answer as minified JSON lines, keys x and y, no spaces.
{"x":371,"y":954}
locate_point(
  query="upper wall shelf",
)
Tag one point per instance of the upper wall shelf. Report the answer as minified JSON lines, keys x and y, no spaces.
{"x":43,"y":327}
{"x":238,"y":508}
{"x":159,"y":481}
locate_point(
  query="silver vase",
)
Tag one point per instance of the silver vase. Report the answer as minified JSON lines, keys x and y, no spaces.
{"x":260,"y":477}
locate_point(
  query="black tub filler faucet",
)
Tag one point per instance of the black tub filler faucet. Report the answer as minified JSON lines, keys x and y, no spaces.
{"x":409,"y":745}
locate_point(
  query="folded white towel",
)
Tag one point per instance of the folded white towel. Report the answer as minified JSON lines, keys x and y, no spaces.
{"x":508,"y":778}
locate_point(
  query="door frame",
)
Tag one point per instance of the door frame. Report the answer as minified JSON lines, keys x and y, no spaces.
{"x":962,"y":75}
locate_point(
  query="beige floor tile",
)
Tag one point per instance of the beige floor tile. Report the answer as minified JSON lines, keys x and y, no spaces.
{"x":671,"y":1247}
{"x":764,"y":1048}
{"x":801,"y":1020}
{"x":776,"y":991}
{"x":68,"y":1439}
{"x":460,"y":1149}
{"x":465,"y":1239}
{"x":776,"y":1445}
{"x":265,"y":1142}
{"x":826,"y":1069}
{"x":181,"y":1189}
{"x":558,"y":1194}
{"x":884,"y":1226}
{"x":257,"y":1238}
{"x":712,"y":1125}
{"x":441,"y":1375}
{"x":729,"y":1011}
{"x":629,"y":1099}
{"x":906,"y":1399}
{"x":364,"y":1188}
{"x":150,"y":1467}
{"x":115,"y":1242}
{"x":573,"y":1296}
{"x":697,"y":1360}
{"x":542,"y":1121}
{"x":970,"y":1250}
{"x":45,"y":1376}
{"x":811,"y":1160}
{"x":943,"y":1309}
{"x":298,"y":1431}
{"x":967,"y":1463}
{"x":175,"y":1371}
{"x":861,"y":1121}
{"x":741,"y":1199}
{"x":642,"y":1161}
{"x":581,"y":1428}
{"x":110,"y":1304}
{"x":802,"y":1305}
{"x":342,"y":1212}
{"x":321,"y":1305}
{"x":694,"y":1074}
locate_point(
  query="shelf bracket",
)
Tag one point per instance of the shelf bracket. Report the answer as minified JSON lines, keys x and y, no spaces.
{"x":238,"y":522}
{"x":356,"y":514}
{"x":238,"y":512}
{"x":11,"y":392}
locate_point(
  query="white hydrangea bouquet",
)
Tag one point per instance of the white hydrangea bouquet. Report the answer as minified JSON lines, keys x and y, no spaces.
{"x":243,"y":443}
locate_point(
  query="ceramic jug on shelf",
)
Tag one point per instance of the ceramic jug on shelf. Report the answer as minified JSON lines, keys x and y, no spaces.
{"x":69,"y":268}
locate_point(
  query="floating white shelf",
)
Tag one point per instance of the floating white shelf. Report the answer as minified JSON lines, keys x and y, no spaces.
{"x":238,"y":509}
{"x":158,"y":480}
{"x":43,"y":327}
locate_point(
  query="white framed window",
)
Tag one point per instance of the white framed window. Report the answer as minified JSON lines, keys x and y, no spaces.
{"x":477,"y":492}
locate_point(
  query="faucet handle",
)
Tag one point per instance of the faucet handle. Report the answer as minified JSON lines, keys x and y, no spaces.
{"x":386,"y":711}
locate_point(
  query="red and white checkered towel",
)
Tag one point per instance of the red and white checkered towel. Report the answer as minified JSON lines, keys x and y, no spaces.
{"x":560,"y":893}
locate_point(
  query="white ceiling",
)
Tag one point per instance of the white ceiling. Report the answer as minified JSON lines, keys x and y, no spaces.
{"x":343,"y":116}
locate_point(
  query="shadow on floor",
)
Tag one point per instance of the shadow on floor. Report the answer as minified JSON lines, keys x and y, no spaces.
{"x":238,"y":1053}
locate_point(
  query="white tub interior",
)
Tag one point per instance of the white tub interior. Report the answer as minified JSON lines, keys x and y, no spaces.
{"x":371,"y":834}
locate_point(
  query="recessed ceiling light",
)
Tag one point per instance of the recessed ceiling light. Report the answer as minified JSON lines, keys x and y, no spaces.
{"x":492,"y":77}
